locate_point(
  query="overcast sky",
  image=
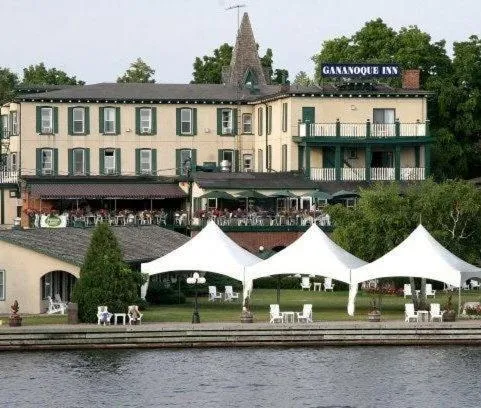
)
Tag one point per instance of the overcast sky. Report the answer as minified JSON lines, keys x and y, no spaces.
{"x":96,"y":40}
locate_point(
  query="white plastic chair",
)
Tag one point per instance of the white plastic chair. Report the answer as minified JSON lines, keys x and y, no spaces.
{"x":213,"y":294}
{"x":55,"y":307}
{"x":435,"y":312}
{"x":474,"y":284}
{"x":409,"y":313}
{"x":103,"y":315}
{"x":305,"y":283}
{"x":430,"y":291}
{"x":306,"y":314}
{"x":134,"y":315}
{"x":407,"y":290}
{"x":328,"y":285}
{"x":58,"y":299}
{"x":230,"y":295}
{"x":275,"y":314}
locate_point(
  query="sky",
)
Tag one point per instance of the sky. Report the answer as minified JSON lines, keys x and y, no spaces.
{"x":97,"y":40}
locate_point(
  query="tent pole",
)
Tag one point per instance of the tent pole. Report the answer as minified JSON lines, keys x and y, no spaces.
{"x":459,"y":297}
{"x":278,"y":289}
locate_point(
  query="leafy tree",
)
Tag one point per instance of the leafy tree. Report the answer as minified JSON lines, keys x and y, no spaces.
{"x":104,"y":278}
{"x":280,"y":76}
{"x":39,"y":75}
{"x":8,"y":81}
{"x":302,"y":79}
{"x":208,"y":70}
{"x":139,"y":72}
{"x":267,"y":61}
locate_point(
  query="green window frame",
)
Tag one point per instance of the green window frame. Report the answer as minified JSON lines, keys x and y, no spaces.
{"x":269,"y":119}
{"x":247,"y":123}
{"x":46,"y":120}
{"x":260,"y":124}
{"x":186,"y":121}
{"x":2,"y":284}
{"x":232,"y":155}
{"x":181,"y":156}
{"x":284,"y":116}
{"x":284,"y":157}
{"x":260,"y":160}
{"x":269,"y":157}
{"x":146,"y":120}
{"x":46,"y":161}
{"x":79,"y":161}
{"x":109,"y":162}
{"x":109,"y":120}
{"x":78,"y":120}
{"x":226,"y":121}
{"x":145,"y":161}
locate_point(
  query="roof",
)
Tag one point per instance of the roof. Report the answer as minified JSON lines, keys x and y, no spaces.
{"x":139,"y":244}
{"x":106,"y":190}
{"x":244,"y":181}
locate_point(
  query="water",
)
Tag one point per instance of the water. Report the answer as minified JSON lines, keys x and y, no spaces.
{"x":326,"y":377}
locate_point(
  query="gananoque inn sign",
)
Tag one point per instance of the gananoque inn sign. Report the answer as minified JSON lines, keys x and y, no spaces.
{"x":360,"y":70}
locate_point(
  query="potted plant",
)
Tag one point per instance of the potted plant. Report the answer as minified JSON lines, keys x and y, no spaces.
{"x":449,"y":314}
{"x":15,"y":319}
{"x":246,"y":315}
{"x":376,"y":295}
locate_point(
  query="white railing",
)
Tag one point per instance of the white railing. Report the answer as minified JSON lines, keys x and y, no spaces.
{"x":412,"y":173}
{"x":383,"y":130}
{"x":353,"y":130}
{"x":323,"y":129}
{"x":302,"y":129}
{"x":8,"y":177}
{"x":323,"y":174}
{"x":412,"y":129}
{"x":353,"y":174}
{"x":382,"y":173}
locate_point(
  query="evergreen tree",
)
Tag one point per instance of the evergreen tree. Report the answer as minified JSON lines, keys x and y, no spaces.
{"x":105,"y":279}
{"x":139,"y":72}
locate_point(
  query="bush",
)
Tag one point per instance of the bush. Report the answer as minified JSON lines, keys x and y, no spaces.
{"x":160,"y":294}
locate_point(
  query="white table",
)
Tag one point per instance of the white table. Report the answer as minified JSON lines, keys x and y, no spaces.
{"x":423,"y":316}
{"x":317,"y":286}
{"x":122,"y":315}
{"x":287,"y":317}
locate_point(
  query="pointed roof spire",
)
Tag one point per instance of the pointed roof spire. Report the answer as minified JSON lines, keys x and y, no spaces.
{"x":245,"y":63}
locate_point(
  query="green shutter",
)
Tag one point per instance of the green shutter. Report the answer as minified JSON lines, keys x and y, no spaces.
{"x":39,"y":119}
{"x":101,"y":120}
{"x":70,"y":122}
{"x":177,"y":161}
{"x":38,"y":162}
{"x":234,"y":121}
{"x":177,"y":123}
{"x":220,"y":153}
{"x":101,"y":161}
{"x":219,"y":121}
{"x":87,"y":121}
{"x":154,"y":121}
{"x":154,"y":161}
{"x":137,"y":161}
{"x":193,"y":158}
{"x":55,"y":161}
{"x":194,"y":121}
{"x":87,"y":162}
{"x":117,"y":121}
{"x":118,"y":163}
{"x":55,"y":120}
{"x":70,"y":161}
{"x":236,"y":159}
{"x":137,"y":121}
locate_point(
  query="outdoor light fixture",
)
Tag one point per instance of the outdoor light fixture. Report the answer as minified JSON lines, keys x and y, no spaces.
{"x":196,"y":279}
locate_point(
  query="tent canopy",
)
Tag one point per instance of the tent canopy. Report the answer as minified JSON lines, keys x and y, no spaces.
{"x":313,"y":253}
{"x":210,"y":251}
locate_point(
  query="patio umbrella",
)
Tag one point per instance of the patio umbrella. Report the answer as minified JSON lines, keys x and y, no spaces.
{"x":218,"y":194}
{"x":320,"y":195}
{"x":283,"y":194}
{"x":249,"y":194}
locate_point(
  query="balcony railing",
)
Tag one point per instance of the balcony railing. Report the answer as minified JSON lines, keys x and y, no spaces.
{"x":359,"y":173}
{"x":382,"y":173}
{"x":353,"y":174}
{"x":322,"y":174}
{"x":8,"y":177}
{"x":364,"y":130}
{"x":412,"y":173}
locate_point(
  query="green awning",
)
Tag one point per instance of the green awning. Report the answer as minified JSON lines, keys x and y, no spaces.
{"x":345,"y":193}
{"x":283,"y":194}
{"x":218,"y":194}
{"x":250,"y":194}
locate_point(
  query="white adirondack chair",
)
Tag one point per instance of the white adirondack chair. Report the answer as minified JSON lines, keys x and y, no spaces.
{"x":306,"y":314}
{"x":55,"y":307}
{"x":103,"y":315}
{"x":134,"y":315}
{"x":407,"y":290}
{"x":328,"y":285}
{"x":430,"y":291}
{"x":305,"y":283}
{"x":435,"y":312}
{"x":213,"y":294}
{"x":275,"y":314}
{"x":409,"y":313}
{"x":230,"y":295}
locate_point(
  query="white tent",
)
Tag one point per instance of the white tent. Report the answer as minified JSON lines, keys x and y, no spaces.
{"x":313,"y":253}
{"x":418,"y":256}
{"x":210,"y":251}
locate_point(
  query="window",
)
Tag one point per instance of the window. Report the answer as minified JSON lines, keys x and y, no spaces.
{"x":145,"y":120}
{"x":260,"y":160}
{"x":2,"y":284}
{"x":109,"y":161}
{"x":46,"y":115}
{"x":109,"y":120}
{"x":284,"y":117}
{"x":186,"y":121}
{"x":247,"y":162}
{"x":269,"y":120}
{"x":78,"y":117}
{"x":284,"y":157}
{"x":146,"y":161}
{"x":5,"y":125}
{"x":47,"y":161}
{"x":227,"y":121}
{"x":269,"y":157}
{"x":383,"y":115}
{"x":78,"y":162}
{"x":185,"y":161}
{"x":247,"y":123}
{"x":14,"y":119}
{"x":229,"y":156}
{"x":259,"y":121}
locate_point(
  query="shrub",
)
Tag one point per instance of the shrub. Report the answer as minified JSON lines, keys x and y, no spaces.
{"x":160,"y":294}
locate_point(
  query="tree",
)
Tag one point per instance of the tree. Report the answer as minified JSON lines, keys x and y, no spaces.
{"x":208,"y":70}
{"x":8,"y":81}
{"x":139,"y":72}
{"x":302,"y":79}
{"x":104,"y":278}
{"x":40,"y":75}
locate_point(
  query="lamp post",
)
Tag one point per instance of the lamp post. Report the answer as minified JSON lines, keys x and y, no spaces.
{"x":195,"y":280}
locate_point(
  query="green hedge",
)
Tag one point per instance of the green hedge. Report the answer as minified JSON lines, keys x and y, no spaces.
{"x":160,"y":294}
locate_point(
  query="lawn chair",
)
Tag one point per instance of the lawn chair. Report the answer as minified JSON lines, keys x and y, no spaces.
{"x":435,"y":312}
{"x":328,"y":285}
{"x":103,"y":315}
{"x":430,"y":291}
{"x":58,"y":299}
{"x":213,"y":294}
{"x":409,"y":313}
{"x":407,"y":290}
{"x":306,"y":314}
{"x":275,"y":314}
{"x":230,"y":295}
{"x":134,"y":315}
{"x":474,"y":284}
{"x":55,"y":307}
{"x":305,"y":283}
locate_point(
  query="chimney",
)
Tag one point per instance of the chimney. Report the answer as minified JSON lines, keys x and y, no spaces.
{"x":411,"y":79}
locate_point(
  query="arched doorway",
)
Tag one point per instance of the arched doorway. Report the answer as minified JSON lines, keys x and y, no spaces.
{"x":57,"y":282}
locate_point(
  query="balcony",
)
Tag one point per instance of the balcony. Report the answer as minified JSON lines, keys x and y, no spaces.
{"x":359,"y":174}
{"x":8,"y":177}
{"x":364,"y":130}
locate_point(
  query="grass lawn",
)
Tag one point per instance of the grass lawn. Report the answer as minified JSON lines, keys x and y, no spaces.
{"x":326,"y":306}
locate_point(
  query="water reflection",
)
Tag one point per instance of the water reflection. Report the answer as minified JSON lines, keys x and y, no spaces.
{"x":327,"y":377}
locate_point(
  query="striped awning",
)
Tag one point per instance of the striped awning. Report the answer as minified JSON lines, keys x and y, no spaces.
{"x":106,"y":190}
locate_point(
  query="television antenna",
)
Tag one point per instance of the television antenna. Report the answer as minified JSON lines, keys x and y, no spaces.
{"x":238,"y":7}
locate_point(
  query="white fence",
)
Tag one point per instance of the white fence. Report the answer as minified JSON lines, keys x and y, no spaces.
{"x":353,"y":130}
{"x":8,"y":177}
{"x":382,"y":173}
{"x":412,"y":173}
{"x":412,"y":129}
{"x":353,"y":174}
{"x":323,"y":129}
{"x":323,"y":174}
